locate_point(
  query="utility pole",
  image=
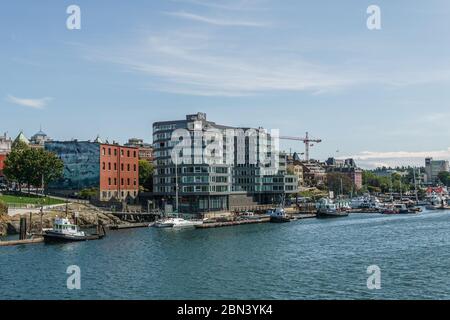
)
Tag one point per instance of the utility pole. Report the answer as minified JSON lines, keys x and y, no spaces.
{"x":415,"y":185}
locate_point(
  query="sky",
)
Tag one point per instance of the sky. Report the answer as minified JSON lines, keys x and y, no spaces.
{"x":380,"y":96}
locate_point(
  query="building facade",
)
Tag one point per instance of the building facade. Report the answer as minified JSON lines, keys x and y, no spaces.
{"x":112,"y":170}
{"x":145,"y":149}
{"x":5,"y":149}
{"x":347,"y":167}
{"x":39,"y":139}
{"x":238,"y":171}
{"x":433,"y":168}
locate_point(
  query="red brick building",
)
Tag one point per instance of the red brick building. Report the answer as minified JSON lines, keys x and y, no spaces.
{"x":119,"y":172}
{"x":2,"y":162}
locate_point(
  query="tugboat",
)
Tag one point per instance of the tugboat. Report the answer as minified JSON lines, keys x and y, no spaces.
{"x":326,"y":208}
{"x":278,"y":215}
{"x":64,"y":231}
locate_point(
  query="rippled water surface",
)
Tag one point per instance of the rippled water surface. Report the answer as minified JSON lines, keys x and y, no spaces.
{"x":308,"y":259}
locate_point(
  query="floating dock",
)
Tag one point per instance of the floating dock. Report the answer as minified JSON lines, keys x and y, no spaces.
{"x":207,"y":225}
{"x":21,"y":242}
{"x":129,"y":226}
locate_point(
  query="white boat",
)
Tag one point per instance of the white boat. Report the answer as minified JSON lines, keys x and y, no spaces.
{"x":278,"y":215}
{"x":248,"y":215}
{"x":176,"y":223}
{"x":326,"y":208}
{"x":436,"y":202}
{"x":64,"y":231}
{"x":365,"y":202}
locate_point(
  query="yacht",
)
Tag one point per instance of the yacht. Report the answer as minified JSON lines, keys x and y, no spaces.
{"x":278,"y":215}
{"x":365,"y":202}
{"x":176,"y":223}
{"x":436,"y":202}
{"x":326,"y":208}
{"x":64,"y":231}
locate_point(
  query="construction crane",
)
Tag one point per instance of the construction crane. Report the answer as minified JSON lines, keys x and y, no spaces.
{"x":306,"y":140}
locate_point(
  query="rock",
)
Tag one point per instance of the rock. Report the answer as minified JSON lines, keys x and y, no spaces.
{"x":87,"y":217}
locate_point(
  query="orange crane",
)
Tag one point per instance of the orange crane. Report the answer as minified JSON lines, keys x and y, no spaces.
{"x":306,"y":140}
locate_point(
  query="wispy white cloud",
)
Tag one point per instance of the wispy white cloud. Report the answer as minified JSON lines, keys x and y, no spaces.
{"x":373,"y":159}
{"x":215,"y":21}
{"x":238,"y":5}
{"x":199,"y":65}
{"x":30,"y":103}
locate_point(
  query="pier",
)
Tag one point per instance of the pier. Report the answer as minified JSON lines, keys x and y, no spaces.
{"x":207,"y":225}
{"x":21,"y":242}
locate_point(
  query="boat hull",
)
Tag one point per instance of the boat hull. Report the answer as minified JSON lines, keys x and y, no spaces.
{"x":51,"y":237}
{"x":279,"y":219}
{"x":329,"y":215}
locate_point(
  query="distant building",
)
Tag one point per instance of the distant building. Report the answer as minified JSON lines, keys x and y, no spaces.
{"x":21,"y":138}
{"x":110,"y":168}
{"x":39,"y":139}
{"x":314,"y":173}
{"x":433,"y":168}
{"x":145,"y":149}
{"x":347,"y":167}
{"x":297,"y":169}
{"x":5,"y":149}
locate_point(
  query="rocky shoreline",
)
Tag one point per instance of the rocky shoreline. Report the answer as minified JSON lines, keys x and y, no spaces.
{"x":88,"y":216}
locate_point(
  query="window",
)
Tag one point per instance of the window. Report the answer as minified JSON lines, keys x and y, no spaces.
{"x":134,"y":167}
{"x":128,"y":167}
{"x":121,"y":181}
{"x":115,"y":166}
{"x":109,"y":181}
{"x":128,"y":181}
{"x":135,"y":182}
{"x":121,"y":167}
{"x":115,"y":181}
{"x":103,"y":151}
{"x":115,"y":152}
{"x":104,"y":166}
{"x":128,"y":153}
{"x":134,"y":154}
{"x":109,"y":165}
{"x":109,"y":151}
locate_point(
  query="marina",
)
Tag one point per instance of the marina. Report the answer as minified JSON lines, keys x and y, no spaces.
{"x":280,"y":260}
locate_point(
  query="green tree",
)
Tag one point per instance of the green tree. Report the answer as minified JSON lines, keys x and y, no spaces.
{"x":145,"y":174}
{"x":444,"y":178}
{"x":32,"y":166}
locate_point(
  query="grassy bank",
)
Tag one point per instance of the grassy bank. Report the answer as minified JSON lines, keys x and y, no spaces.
{"x":27,"y":199}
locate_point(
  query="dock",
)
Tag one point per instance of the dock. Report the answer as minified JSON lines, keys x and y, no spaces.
{"x":21,"y":242}
{"x":129,"y":226}
{"x":208,"y":225}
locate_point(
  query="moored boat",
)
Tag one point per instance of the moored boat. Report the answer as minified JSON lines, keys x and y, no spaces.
{"x":278,"y":215}
{"x":64,"y":231}
{"x":326,"y":208}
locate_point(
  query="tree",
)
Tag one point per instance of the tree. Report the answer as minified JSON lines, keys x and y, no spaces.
{"x":339,"y":183}
{"x":146,"y":174}
{"x":33,"y":167}
{"x":444,"y":178}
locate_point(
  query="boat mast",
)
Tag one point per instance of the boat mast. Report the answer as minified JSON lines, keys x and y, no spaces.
{"x":415,"y":185}
{"x":401,"y":193}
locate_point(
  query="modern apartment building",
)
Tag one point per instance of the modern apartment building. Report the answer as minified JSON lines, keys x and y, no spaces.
{"x":433,"y":168}
{"x":218,"y":167}
{"x":111,"y":169}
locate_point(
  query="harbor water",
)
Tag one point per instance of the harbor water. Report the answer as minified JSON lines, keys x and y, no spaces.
{"x":305,"y":259}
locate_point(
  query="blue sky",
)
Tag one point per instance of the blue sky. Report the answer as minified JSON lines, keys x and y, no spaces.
{"x":381,"y":96}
